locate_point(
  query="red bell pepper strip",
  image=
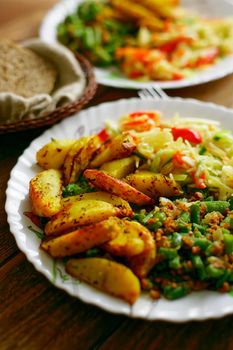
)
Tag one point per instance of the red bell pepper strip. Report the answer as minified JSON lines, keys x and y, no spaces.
{"x":193,"y":136}
{"x":103,"y":135}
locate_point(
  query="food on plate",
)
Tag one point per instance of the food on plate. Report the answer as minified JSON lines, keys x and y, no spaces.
{"x":116,"y":201}
{"x":24,"y":72}
{"x":107,"y":275}
{"x":80,"y":213}
{"x":81,"y":240}
{"x":154,"y":185}
{"x":105,"y":182}
{"x":120,"y":146}
{"x":46,"y":193}
{"x":147,"y":40}
{"x":146,"y":203}
{"x":119,"y":168}
{"x":52,"y":155}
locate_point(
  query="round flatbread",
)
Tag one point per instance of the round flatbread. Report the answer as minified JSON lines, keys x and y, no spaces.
{"x":24,"y":72}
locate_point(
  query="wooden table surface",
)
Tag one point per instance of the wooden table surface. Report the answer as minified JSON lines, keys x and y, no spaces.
{"x":36,"y":315}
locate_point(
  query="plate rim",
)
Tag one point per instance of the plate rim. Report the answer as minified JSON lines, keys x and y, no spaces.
{"x":37,"y":265}
{"x":126,"y":83}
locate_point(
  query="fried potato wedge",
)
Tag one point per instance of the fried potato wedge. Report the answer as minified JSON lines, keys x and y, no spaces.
{"x":118,"y":202}
{"x":162,"y":8}
{"x":52,"y":155}
{"x":74,"y":151}
{"x":82,"y":159}
{"x":133,"y":239}
{"x":106,"y":275}
{"x":120,"y":168}
{"x":142,"y":264}
{"x":82,"y":239}
{"x":45,"y":191}
{"x":80,"y":213}
{"x":120,"y":146}
{"x":154,"y":185}
{"x":107,"y":183}
{"x":135,"y":11}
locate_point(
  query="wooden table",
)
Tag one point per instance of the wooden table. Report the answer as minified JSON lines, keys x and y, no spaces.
{"x":34,"y":315}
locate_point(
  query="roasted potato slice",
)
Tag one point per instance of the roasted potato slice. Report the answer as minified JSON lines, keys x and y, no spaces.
{"x":136,"y":244}
{"x":115,"y":186}
{"x":45,"y":191}
{"x":120,"y":168}
{"x":142,"y":264}
{"x":136,"y":12}
{"x":82,"y":159}
{"x":80,"y":213}
{"x":106,"y":275}
{"x":133,"y":239}
{"x":118,"y":202}
{"x":117,"y":147}
{"x":52,"y":155}
{"x":160,"y":7}
{"x":82,"y":239}
{"x":154,"y":185}
{"x":74,"y":151}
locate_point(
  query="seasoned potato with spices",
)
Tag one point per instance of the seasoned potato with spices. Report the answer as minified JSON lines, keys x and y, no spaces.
{"x":142,"y":264}
{"x":154,"y":185}
{"x":82,"y":158}
{"x":106,"y":275}
{"x":120,"y":168}
{"x":52,"y":155}
{"x":45,"y":191}
{"x":82,"y":239}
{"x":74,"y":151}
{"x":133,"y":239}
{"x":120,"y":146}
{"x":80,"y":213}
{"x":118,"y":202}
{"x":115,"y":186}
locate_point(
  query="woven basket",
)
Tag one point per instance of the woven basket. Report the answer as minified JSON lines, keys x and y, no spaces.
{"x":61,"y":112}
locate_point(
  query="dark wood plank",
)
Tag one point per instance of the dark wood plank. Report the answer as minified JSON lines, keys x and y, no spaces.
{"x":36,"y":315}
{"x":137,"y":335}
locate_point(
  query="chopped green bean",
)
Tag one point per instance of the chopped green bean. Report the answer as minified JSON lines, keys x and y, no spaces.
{"x":203,"y":243}
{"x":195,"y":211}
{"x":168,"y":253}
{"x":174,"y":293}
{"x":228,"y":243}
{"x":175,"y":263}
{"x":219,"y":206}
{"x":214,"y":272}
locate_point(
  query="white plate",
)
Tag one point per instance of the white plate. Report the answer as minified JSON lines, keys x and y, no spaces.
{"x":196,"y":306}
{"x":208,"y":8}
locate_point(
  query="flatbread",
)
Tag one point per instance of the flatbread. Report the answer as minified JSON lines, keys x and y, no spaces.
{"x":24,"y":72}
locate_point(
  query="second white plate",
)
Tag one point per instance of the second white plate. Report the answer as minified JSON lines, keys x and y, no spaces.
{"x":208,"y":8}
